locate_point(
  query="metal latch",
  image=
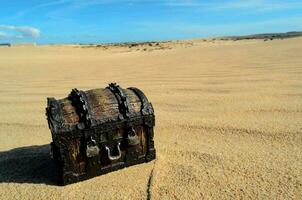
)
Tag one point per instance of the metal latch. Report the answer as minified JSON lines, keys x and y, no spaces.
{"x":132,"y":137}
{"x":111,"y":157}
{"x":92,"y":149}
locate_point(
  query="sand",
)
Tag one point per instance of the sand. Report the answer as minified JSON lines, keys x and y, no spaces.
{"x":228,"y":118}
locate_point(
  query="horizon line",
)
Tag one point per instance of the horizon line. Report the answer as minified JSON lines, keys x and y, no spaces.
{"x":295,"y":33}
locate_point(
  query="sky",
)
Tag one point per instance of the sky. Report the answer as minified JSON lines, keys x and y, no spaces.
{"x":106,"y":21}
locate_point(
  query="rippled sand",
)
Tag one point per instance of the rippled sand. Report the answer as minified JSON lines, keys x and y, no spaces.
{"x":228,"y":119}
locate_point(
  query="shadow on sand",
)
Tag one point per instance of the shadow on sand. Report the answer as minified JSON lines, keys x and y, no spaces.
{"x":27,"y":165}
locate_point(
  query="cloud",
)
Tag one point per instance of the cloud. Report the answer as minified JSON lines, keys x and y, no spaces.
{"x":3,"y":35}
{"x":15,"y":32}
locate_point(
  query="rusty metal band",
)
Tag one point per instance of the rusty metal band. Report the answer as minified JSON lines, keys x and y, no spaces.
{"x":121,"y":98}
{"x":146,"y":108}
{"x":54,"y":114}
{"x":78,"y":98}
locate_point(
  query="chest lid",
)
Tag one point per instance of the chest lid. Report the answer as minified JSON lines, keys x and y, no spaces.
{"x":87,"y":109}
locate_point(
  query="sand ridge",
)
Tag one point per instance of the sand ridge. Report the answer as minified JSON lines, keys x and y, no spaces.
{"x":228,"y":119}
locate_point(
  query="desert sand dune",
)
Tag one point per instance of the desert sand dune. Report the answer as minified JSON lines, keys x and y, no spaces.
{"x":228,"y":119}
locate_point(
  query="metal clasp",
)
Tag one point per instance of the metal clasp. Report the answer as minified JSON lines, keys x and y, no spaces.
{"x":91,"y":148}
{"x":132,"y":137}
{"x":112,"y":158}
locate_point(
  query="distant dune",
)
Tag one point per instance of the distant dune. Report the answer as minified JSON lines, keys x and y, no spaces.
{"x":228,"y":118}
{"x":166,"y":45}
{"x":270,"y":36}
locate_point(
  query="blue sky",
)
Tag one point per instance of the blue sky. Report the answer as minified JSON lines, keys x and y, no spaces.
{"x":103,"y":21}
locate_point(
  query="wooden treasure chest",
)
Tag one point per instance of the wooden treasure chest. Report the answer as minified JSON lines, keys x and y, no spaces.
{"x":99,"y":131}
